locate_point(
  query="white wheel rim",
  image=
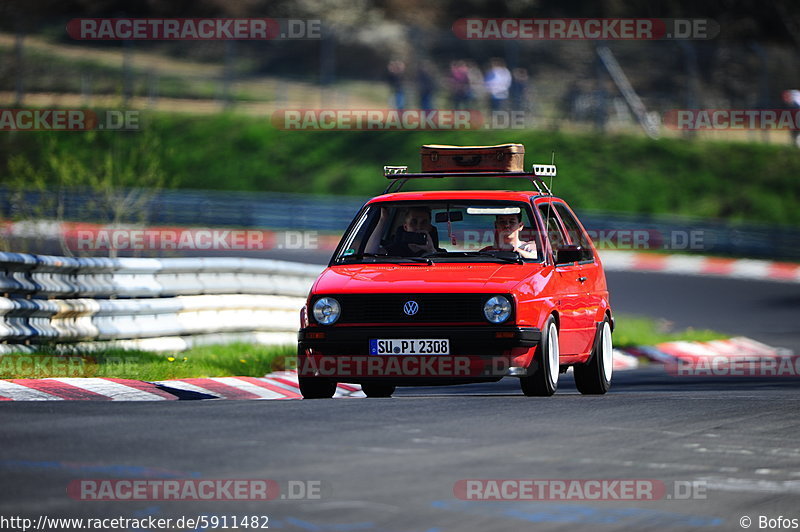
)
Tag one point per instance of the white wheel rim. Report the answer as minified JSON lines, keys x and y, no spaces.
{"x":607,"y":352}
{"x":552,"y":352}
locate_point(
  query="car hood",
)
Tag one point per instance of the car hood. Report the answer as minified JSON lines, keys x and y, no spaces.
{"x":440,"y":277}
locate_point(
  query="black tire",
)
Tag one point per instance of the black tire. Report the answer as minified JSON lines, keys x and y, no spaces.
{"x":543,"y":382}
{"x":594,"y":377}
{"x":372,"y":389}
{"x":316,"y":387}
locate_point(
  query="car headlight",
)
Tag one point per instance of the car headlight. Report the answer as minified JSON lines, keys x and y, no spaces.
{"x":497,"y":309}
{"x":327,"y":310}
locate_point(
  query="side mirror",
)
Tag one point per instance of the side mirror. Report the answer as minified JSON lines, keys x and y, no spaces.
{"x":569,"y":254}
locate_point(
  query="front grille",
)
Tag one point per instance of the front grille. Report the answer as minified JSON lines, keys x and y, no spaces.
{"x":433,"y":308}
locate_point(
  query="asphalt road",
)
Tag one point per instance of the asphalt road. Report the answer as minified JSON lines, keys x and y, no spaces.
{"x":715,"y":449}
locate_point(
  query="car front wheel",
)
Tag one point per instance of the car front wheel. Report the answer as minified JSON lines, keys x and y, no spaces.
{"x":544,"y":379}
{"x":377,"y":390}
{"x":316,"y":387}
{"x":594,"y":377}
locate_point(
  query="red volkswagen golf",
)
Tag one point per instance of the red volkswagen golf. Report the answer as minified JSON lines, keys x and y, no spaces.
{"x":451,"y":287}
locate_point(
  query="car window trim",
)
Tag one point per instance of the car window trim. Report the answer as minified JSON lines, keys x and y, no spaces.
{"x":582,"y":229}
{"x":564,"y":235}
{"x":531,"y":215}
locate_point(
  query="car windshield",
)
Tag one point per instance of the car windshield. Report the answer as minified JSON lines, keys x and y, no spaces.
{"x":479,"y":231}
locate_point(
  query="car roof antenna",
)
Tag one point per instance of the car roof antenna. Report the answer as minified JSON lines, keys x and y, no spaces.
{"x":550,"y":207}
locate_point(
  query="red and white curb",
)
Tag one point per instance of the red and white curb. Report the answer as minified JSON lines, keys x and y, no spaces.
{"x":278,"y":385}
{"x":761,"y":270}
{"x":624,"y":361}
{"x":733,"y":348}
{"x":81,"y":389}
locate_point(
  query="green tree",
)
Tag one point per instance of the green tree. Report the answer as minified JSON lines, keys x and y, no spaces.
{"x":120,"y":176}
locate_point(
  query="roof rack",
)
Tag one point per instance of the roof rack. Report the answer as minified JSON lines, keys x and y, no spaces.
{"x":399,"y":175}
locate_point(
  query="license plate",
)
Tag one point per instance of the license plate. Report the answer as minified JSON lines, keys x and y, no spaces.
{"x":404,"y":346}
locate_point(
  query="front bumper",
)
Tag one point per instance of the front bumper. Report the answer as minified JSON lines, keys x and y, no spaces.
{"x":471,"y":340}
{"x":477,"y":354}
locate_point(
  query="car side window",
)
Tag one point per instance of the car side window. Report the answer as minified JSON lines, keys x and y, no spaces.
{"x":554,"y":233}
{"x":575,"y":232}
{"x":359,"y":236}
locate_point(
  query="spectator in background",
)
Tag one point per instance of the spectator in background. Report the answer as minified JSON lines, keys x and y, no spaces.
{"x":600,"y":100}
{"x":792,"y":100}
{"x":395,"y":77}
{"x":426,"y":85}
{"x":476,"y":88}
{"x":460,"y":88}
{"x":519,"y":91}
{"x":498,"y":83}
{"x":569,"y":101}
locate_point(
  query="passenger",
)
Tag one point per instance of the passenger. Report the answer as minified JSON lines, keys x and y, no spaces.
{"x":416,"y":236}
{"x":507,"y":228}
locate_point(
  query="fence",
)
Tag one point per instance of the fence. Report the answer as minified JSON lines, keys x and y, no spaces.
{"x":166,"y":303}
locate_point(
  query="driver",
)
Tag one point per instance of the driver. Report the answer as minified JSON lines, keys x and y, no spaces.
{"x":507,"y":228}
{"x":409,"y":237}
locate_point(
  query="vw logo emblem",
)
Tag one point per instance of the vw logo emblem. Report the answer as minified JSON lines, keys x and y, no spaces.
{"x":411,"y":308}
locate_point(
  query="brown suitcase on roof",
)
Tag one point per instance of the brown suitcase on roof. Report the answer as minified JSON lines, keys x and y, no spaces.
{"x":500,"y":158}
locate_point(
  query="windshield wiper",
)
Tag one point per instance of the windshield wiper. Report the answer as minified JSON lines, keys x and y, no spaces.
{"x":426,"y":260}
{"x":506,"y":256}
{"x":383,"y":256}
{"x":359,"y":256}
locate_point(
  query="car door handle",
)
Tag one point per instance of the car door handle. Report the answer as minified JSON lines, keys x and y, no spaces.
{"x":582,"y":279}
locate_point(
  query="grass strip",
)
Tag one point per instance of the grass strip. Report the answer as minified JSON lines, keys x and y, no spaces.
{"x":632,"y":331}
{"x":238,"y":359}
{"x":731,"y":181}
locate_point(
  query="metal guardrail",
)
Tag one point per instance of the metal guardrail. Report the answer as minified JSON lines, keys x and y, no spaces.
{"x":56,"y":300}
{"x":307,"y":212}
